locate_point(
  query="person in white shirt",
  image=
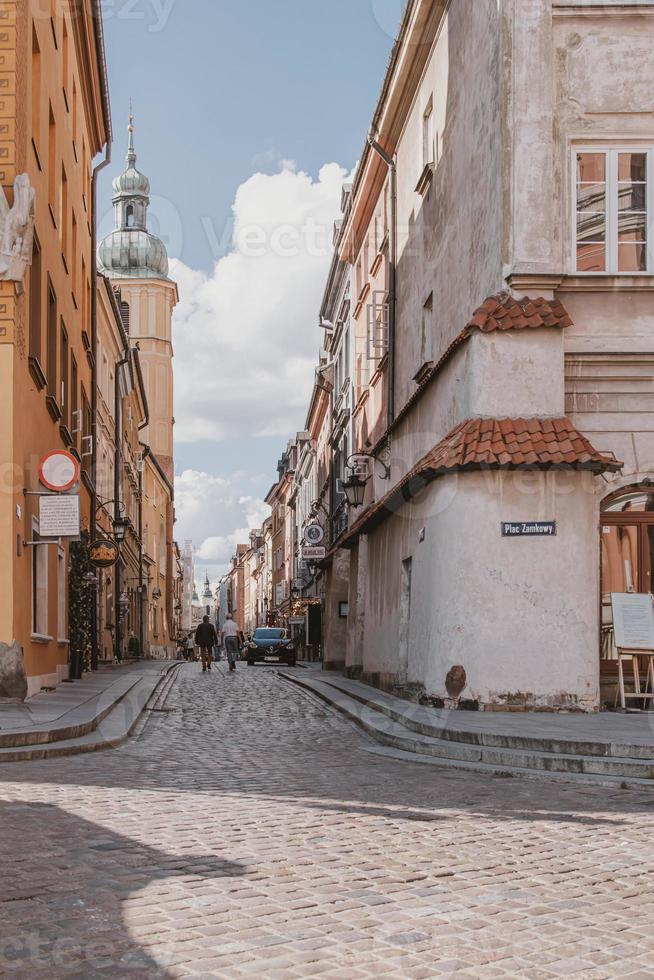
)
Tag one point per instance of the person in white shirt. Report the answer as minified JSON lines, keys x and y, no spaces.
{"x":231,"y":637}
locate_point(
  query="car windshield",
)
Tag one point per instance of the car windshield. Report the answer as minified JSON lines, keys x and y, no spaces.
{"x":268,"y":634}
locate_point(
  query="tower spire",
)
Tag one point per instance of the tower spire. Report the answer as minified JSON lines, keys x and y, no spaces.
{"x":131,"y":152}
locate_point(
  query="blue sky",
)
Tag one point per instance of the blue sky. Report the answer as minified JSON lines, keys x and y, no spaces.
{"x":224,"y":90}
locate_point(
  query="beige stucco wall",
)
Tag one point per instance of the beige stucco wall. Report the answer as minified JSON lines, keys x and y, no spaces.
{"x":520,"y":615}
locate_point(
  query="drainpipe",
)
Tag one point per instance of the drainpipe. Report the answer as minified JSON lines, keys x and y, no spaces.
{"x":392,"y":272}
{"x":118,"y":465}
{"x":95,"y":650}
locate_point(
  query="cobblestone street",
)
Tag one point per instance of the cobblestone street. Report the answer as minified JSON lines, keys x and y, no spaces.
{"x":249,"y":832}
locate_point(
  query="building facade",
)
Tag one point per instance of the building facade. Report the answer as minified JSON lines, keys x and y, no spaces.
{"x":56,"y":115}
{"x":136,"y":262}
{"x":484,"y":403}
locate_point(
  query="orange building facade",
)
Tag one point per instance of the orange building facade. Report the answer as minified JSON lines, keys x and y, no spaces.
{"x":54,"y":119}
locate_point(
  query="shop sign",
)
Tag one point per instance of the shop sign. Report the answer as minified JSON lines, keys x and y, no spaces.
{"x":313,"y":554}
{"x":314,"y":534}
{"x":104,"y":553}
{"x":528,"y":529}
{"x":59,"y":516}
{"x":59,"y":471}
{"x":296,"y":621}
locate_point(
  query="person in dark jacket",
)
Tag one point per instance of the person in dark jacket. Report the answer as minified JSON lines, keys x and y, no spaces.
{"x":206,"y":638}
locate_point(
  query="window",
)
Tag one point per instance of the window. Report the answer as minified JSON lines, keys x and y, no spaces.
{"x":62,"y":628}
{"x":35,"y":301}
{"x":52,"y":163}
{"x":73,"y":256}
{"x":39,"y":584}
{"x":65,"y":61}
{"x":613,"y":212}
{"x":63,"y":213}
{"x":130,"y":216}
{"x":74,"y":403}
{"x":36,"y":91}
{"x":52,"y":341}
{"x":63,"y":370}
{"x":426,"y":333}
{"x":428,"y":154}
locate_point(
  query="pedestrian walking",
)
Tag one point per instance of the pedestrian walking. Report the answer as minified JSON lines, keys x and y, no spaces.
{"x":190,"y":647}
{"x":231,"y":638}
{"x":205,"y":637}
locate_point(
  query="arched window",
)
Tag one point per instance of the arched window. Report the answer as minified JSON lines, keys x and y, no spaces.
{"x":130,"y":216}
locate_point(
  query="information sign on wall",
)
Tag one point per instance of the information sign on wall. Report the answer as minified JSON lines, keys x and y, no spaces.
{"x":528,"y":529}
{"x":59,"y":516}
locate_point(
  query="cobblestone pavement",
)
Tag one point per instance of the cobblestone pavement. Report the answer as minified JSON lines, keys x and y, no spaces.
{"x":248,"y":832}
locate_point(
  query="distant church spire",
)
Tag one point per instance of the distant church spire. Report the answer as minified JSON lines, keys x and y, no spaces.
{"x":131,"y":152}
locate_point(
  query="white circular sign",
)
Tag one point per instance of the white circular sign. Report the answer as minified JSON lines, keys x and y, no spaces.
{"x":59,"y":471}
{"x":314,"y":533}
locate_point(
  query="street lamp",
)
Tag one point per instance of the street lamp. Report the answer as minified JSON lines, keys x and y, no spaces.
{"x":120,"y":525}
{"x":354,"y":489}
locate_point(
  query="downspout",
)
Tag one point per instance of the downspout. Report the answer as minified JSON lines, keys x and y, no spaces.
{"x":99,"y":40}
{"x":144,"y":424}
{"x":392,"y":272}
{"x":118,"y":466}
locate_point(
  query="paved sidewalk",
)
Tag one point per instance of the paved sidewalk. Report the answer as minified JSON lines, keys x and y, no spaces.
{"x":77,"y":708}
{"x":609,"y":729}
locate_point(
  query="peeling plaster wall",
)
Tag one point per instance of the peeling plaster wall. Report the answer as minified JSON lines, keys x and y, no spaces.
{"x":450,"y":240}
{"x":520,"y":615}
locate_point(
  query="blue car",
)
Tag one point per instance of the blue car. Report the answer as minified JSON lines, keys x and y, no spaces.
{"x":270,"y":645}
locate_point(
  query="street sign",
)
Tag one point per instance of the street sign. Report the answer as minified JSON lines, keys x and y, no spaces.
{"x":314,"y":554}
{"x":314,"y":534}
{"x":59,"y":471}
{"x":59,"y":516}
{"x":104,"y":553}
{"x":528,"y":529}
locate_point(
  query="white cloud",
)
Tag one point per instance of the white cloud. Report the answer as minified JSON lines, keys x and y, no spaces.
{"x":208,"y":509}
{"x":246,"y":336}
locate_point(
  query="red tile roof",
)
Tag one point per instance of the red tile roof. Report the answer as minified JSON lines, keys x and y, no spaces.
{"x":476,"y":444}
{"x":503,"y":312}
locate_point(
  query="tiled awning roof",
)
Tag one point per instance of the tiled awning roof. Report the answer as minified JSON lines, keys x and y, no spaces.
{"x":503,"y":312}
{"x":538,"y":443}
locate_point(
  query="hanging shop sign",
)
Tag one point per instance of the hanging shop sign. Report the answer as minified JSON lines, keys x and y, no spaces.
{"x":104,"y":553}
{"x":59,"y":471}
{"x":314,"y":534}
{"x":528,"y":529}
{"x":633,"y":620}
{"x":314,"y":554}
{"x":59,"y":516}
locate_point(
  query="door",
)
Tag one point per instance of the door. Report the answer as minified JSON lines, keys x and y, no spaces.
{"x":405,"y":619}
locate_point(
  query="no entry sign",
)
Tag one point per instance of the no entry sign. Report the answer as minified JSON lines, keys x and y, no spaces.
{"x":59,"y":471}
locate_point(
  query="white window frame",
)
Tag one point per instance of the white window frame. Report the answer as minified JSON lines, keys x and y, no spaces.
{"x":428,"y":135}
{"x":611,"y":150}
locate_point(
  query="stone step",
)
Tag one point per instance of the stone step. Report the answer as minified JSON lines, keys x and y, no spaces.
{"x":425,"y":722}
{"x":610,"y":770}
{"x":113,"y":726}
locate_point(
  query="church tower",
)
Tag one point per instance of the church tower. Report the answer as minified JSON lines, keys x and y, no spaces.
{"x":136,"y":261}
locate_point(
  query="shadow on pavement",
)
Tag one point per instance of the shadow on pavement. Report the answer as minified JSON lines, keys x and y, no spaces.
{"x":63,"y":882}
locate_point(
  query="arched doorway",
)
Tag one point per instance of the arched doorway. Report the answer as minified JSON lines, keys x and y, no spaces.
{"x":627,"y":565}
